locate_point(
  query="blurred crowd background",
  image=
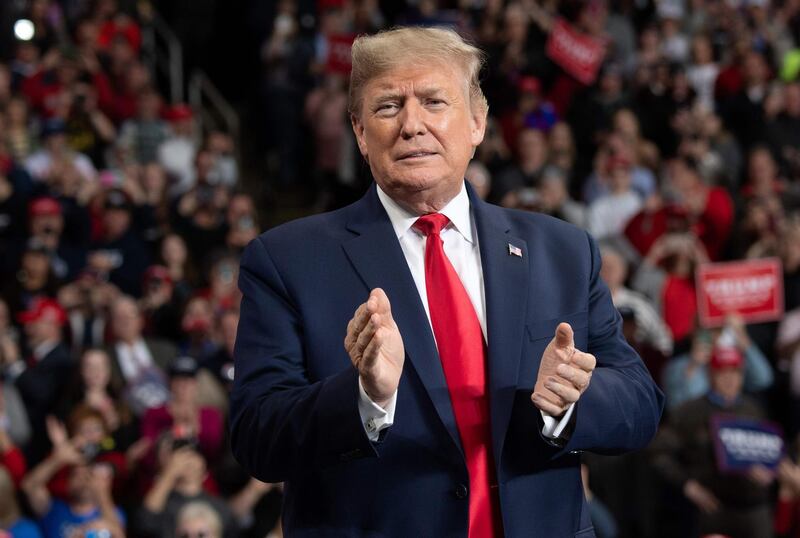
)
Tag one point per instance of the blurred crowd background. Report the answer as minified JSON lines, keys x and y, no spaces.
{"x":124,"y":207}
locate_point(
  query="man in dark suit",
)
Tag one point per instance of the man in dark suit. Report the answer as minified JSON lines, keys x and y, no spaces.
{"x":40,"y":376}
{"x":138,"y":364}
{"x":451,"y":409}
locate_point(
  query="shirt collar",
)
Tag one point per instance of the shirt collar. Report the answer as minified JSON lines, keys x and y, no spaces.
{"x":457,"y":210}
{"x":43,"y":349}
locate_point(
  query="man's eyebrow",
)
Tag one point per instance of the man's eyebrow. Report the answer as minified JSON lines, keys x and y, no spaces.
{"x":430,"y":91}
{"x":388,"y":96}
{"x":392,"y":95}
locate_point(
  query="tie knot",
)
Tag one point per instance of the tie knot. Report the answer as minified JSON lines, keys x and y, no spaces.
{"x":431,"y":223}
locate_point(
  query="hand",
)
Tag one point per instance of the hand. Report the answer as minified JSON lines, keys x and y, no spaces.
{"x":700,"y":353}
{"x":9,"y":350}
{"x":761,"y":475}
{"x":659,"y":249}
{"x":375,"y":346}
{"x":700,"y":496}
{"x":180,"y":463}
{"x":789,"y":476}
{"x":56,"y":431}
{"x":137,"y":451}
{"x":186,"y":464}
{"x":564,"y":373}
{"x":101,"y":262}
{"x":735,"y":321}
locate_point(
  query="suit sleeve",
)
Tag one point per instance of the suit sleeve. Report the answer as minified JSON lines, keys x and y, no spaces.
{"x":283,"y":423}
{"x":621,"y":408}
{"x":39,"y":387}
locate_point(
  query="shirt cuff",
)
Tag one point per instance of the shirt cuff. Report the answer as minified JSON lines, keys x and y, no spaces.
{"x":553,"y":428}
{"x":374,"y":417}
{"x":15,"y":369}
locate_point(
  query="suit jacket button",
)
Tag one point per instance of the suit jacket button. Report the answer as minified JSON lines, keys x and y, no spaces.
{"x":461,"y":491}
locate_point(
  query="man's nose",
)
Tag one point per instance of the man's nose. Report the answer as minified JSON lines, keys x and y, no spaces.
{"x":412,"y":120}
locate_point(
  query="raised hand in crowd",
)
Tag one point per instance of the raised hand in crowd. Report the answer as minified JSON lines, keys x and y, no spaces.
{"x":701,"y":496}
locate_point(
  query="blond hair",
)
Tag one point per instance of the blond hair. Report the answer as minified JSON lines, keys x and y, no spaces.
{"x":377,"y":54}
{"x":203,"y":511}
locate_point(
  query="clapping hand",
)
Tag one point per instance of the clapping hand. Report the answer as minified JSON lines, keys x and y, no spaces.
{"x":375,"y":347}
{"x":564,"y":373}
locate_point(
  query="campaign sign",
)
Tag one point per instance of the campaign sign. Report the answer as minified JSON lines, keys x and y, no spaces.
{"x":751,"y":288}
{"x":740,"y":443}
{"x":578,"y":54}
{"x":339,"y":53}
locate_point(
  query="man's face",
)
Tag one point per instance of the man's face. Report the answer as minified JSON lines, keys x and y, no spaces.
{"x":417,"y":130}
{"x":78,"y":483}
{"x":116,"y":222}
{"x":47,"y":225}
{"x":727,"y":382}
{"x":613,"y":270}
{"x":126,"y":321}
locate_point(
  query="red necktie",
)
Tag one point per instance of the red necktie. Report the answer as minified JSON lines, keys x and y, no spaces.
{"x":463,"y":355}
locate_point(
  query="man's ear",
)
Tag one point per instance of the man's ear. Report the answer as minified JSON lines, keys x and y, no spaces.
{"x":477,"y":125}
{"x":358,"y":130}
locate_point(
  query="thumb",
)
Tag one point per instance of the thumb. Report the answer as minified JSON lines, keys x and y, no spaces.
{"x":382,"y":305}
{"x":564,"y":336}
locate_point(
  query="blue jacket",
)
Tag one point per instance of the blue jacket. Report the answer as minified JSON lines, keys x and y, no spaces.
{"x":294,"y":404}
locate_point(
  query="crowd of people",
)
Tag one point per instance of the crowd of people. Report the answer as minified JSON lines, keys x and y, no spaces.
{"x":122,"y":222}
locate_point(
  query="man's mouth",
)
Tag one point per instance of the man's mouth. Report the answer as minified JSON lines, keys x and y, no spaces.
{"x":419,"y":154}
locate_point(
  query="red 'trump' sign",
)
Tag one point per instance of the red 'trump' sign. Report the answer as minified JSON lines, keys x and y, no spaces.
{"x":578,"y":54}
{"x":339,"y":53}
{"x":751,"y":288}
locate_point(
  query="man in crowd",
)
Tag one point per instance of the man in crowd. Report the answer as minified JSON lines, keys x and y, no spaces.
{"x":138,"y":364}
{"x":40,"y":376}
{"x":732,"y":504}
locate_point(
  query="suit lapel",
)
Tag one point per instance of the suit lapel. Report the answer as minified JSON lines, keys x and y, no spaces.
{"x":505,"y":280}
{"x":377,"y":257}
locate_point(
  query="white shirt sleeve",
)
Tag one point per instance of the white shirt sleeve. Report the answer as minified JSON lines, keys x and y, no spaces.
{"x":374,"y":417}
{"x":554,"y":428}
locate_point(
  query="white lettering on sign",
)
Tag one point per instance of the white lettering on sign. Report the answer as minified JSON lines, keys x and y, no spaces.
{"x":580,"y":52}
{"x":729,"y":293}
{"x":751,"y":445}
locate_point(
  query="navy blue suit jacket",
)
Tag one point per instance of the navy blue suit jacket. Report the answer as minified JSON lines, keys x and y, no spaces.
{"x":294,"y":405}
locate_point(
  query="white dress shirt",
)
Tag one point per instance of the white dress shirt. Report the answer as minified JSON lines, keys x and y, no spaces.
{"x":460,"y":239}
{"x":133,"y":358}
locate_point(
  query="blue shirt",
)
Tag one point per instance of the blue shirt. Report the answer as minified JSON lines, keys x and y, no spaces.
{"x":679,"y":388}
{"x":24,"y":528}
{"x":60,"y":521}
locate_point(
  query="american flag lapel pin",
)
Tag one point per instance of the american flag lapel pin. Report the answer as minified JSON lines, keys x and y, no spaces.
{"x":514,"y":251}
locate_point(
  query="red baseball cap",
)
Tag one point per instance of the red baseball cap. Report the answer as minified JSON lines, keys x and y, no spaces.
{"x":45,"y":205}
{"x":178,"y":112}
{"x":530,"y":85}
{"x":43,"y":308}
{"x":725,"y":357}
